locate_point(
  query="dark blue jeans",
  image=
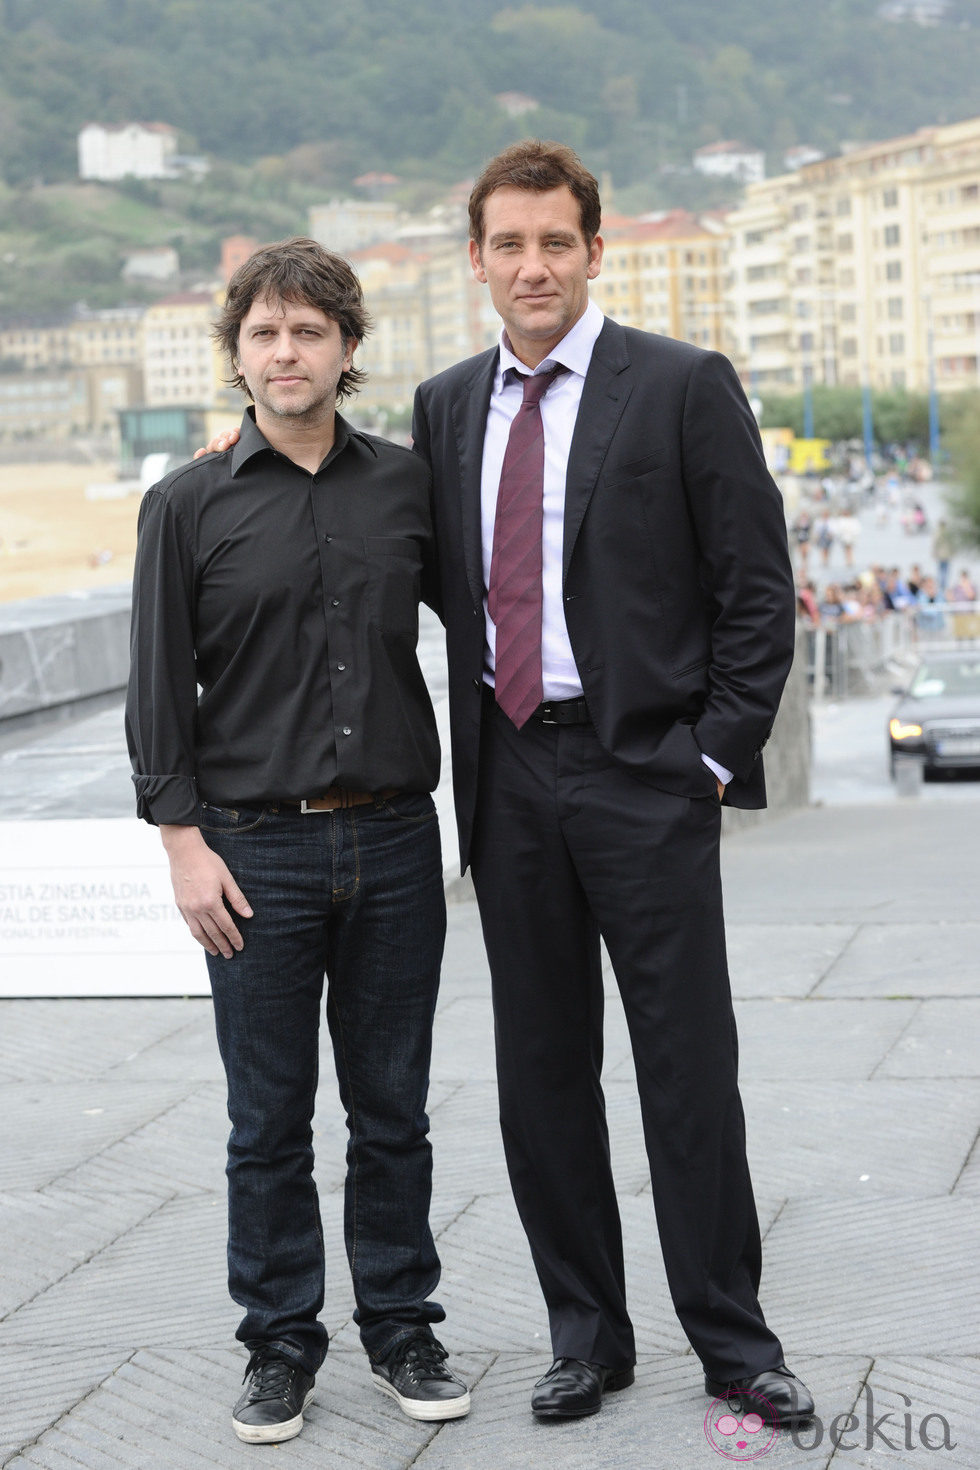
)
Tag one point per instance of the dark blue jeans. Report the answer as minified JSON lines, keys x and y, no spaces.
{"x":356,"y":895}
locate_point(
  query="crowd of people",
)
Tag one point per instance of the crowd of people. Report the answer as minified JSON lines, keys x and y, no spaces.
{"x":831,"y":524}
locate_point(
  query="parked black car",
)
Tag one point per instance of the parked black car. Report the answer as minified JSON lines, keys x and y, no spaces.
{"x":938,"y":715}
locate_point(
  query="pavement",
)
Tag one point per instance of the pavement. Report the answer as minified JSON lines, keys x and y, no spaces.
{"x":854,"y":943}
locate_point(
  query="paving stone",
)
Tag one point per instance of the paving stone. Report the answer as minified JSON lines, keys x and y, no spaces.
{"x":907,"y":959}
{"x":967,"y":1185}
{"x":465,"y":966}
{"x":54,"y":1381}
{"x":190,"y":1052}
{"x":919,"y":1394}
{"x":818,"y":1139}
{"x":61,"y":1124}
{"x":884,"y":1275}
{"x":462,"y":1042}
{"x":811,"y":1038}
{"x":160,"y":1283}
{"x":783,"y":959}
{"x":106,"y":1033}
{"x":468,"y":1155}
{"x":47,"y":1236}
{"x":180,"y":1151}
{"x":836,"y":864}
{"x":941,"y":1041}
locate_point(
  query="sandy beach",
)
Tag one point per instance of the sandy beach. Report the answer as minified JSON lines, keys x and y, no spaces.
{"x":54,"y":539}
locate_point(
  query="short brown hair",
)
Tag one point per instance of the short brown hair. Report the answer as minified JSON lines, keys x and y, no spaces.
{"x":538,"y":166}
{"x":295,"y":270}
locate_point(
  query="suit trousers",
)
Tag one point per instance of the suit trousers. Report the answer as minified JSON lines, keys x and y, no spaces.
{"x":568,"y":847}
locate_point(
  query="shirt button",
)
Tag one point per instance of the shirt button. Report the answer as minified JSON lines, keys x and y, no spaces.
{"x":328,"y":538}
{"x":347,"y":730}
{"x":341,"y":667}
{"x":335,"y":602}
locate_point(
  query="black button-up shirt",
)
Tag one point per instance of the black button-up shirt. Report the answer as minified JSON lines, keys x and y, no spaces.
{"x":275,"y":625}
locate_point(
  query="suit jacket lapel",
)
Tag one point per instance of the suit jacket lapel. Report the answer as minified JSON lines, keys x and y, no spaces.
{"x":469,"y":411}
{"x":607,"y":389}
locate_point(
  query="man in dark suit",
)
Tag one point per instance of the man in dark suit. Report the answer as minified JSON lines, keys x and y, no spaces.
{"x":616,"y":657}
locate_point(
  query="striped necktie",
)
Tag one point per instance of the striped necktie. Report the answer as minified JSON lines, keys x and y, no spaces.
{"x":515,"y":594}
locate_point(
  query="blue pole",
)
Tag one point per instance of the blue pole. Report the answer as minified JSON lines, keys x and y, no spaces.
{"x":869,"y":441}
{"x":933,"y":407}
{"x":807,"y":403}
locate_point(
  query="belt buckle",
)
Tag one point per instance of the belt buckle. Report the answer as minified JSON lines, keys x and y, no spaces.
{"x":315,"y":811}
{"x":543,"y":719}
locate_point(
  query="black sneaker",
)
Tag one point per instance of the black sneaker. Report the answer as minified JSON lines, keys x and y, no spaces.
{"x":416,"y":1377}
{"x":271,"y":1408}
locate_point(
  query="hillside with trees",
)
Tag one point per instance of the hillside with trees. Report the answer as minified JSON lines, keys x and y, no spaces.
{"x":292,"y":103}
{"x":411,"y":87}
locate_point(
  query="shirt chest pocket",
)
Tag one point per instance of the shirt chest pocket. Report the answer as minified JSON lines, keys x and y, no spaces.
{"x":394,"y":567}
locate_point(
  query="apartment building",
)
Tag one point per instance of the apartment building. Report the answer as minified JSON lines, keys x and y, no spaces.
{"x":862,"y":269}
{"x":664,"y":274}
{"x":66,"y":402}
{"x":181,"y":365}
{"x":395,"y":353}
{"x":87,"y":338}
{"x":428,"y":310}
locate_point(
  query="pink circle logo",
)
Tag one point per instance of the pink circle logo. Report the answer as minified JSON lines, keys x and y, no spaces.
{"x":739,"y":1436}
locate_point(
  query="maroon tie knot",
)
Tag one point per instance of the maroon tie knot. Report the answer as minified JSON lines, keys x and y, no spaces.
{"x":535,"y":385}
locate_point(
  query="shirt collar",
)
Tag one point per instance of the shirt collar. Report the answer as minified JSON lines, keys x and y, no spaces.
{"x":252,"y":441}
{"x":573,"y":352}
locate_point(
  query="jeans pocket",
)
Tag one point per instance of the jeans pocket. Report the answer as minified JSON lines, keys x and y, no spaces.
{"x":231,"y":819}
{"x":409,"y":806}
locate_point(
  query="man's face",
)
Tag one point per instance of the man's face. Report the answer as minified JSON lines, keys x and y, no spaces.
{"x":535,"y":260}
{"x":291,"y":356}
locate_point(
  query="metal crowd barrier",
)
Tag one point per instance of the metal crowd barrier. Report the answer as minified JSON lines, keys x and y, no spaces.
{"x":846,"y":659}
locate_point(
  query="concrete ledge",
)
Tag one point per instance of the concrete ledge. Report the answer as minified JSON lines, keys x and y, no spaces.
{"x":787,"y":755}
{"x":54,"y":650}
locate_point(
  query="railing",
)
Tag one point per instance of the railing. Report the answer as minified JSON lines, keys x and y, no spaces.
{"x":847,"y":659}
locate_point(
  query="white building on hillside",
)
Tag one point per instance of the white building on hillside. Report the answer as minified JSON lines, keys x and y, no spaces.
{"x":730,"y":160}
{"x":127,"y":150}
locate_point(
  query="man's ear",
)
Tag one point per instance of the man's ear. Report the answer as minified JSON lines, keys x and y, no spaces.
{"x":476,"y":264}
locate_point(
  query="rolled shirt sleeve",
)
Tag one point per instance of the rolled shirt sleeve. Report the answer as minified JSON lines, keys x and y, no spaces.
{"x":162,"y":696}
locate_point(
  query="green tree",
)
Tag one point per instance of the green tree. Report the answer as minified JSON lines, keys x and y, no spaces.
{"x":963,"y":441}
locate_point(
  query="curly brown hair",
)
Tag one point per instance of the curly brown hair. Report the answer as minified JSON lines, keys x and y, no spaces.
{"x":537,"y":167}
{"x":301,"y":270}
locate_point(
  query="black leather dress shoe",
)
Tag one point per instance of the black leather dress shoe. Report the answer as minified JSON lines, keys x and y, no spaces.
{"x":571,"y":1389}
{"x":776,"y":1395}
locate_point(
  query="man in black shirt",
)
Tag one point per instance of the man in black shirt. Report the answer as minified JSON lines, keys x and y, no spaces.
{"x":283,"y":741}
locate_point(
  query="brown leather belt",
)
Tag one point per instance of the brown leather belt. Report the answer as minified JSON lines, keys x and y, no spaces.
{"x":338,"y":798}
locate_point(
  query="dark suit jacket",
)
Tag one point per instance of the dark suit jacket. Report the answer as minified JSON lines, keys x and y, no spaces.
{"x":679,"y":594}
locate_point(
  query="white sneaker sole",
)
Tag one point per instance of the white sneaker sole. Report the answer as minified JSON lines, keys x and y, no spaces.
{"x":430,"y":1409}
{"x":271,"y":1433}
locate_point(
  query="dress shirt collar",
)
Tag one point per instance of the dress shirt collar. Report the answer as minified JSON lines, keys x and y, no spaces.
{"x":573,"y":352}
{"x":252,"y":441}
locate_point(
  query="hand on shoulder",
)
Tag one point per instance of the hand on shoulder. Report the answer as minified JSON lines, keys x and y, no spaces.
{"x":218,"y":443}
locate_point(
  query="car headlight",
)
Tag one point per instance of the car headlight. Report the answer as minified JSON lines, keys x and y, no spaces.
{"x":899,"y":731}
